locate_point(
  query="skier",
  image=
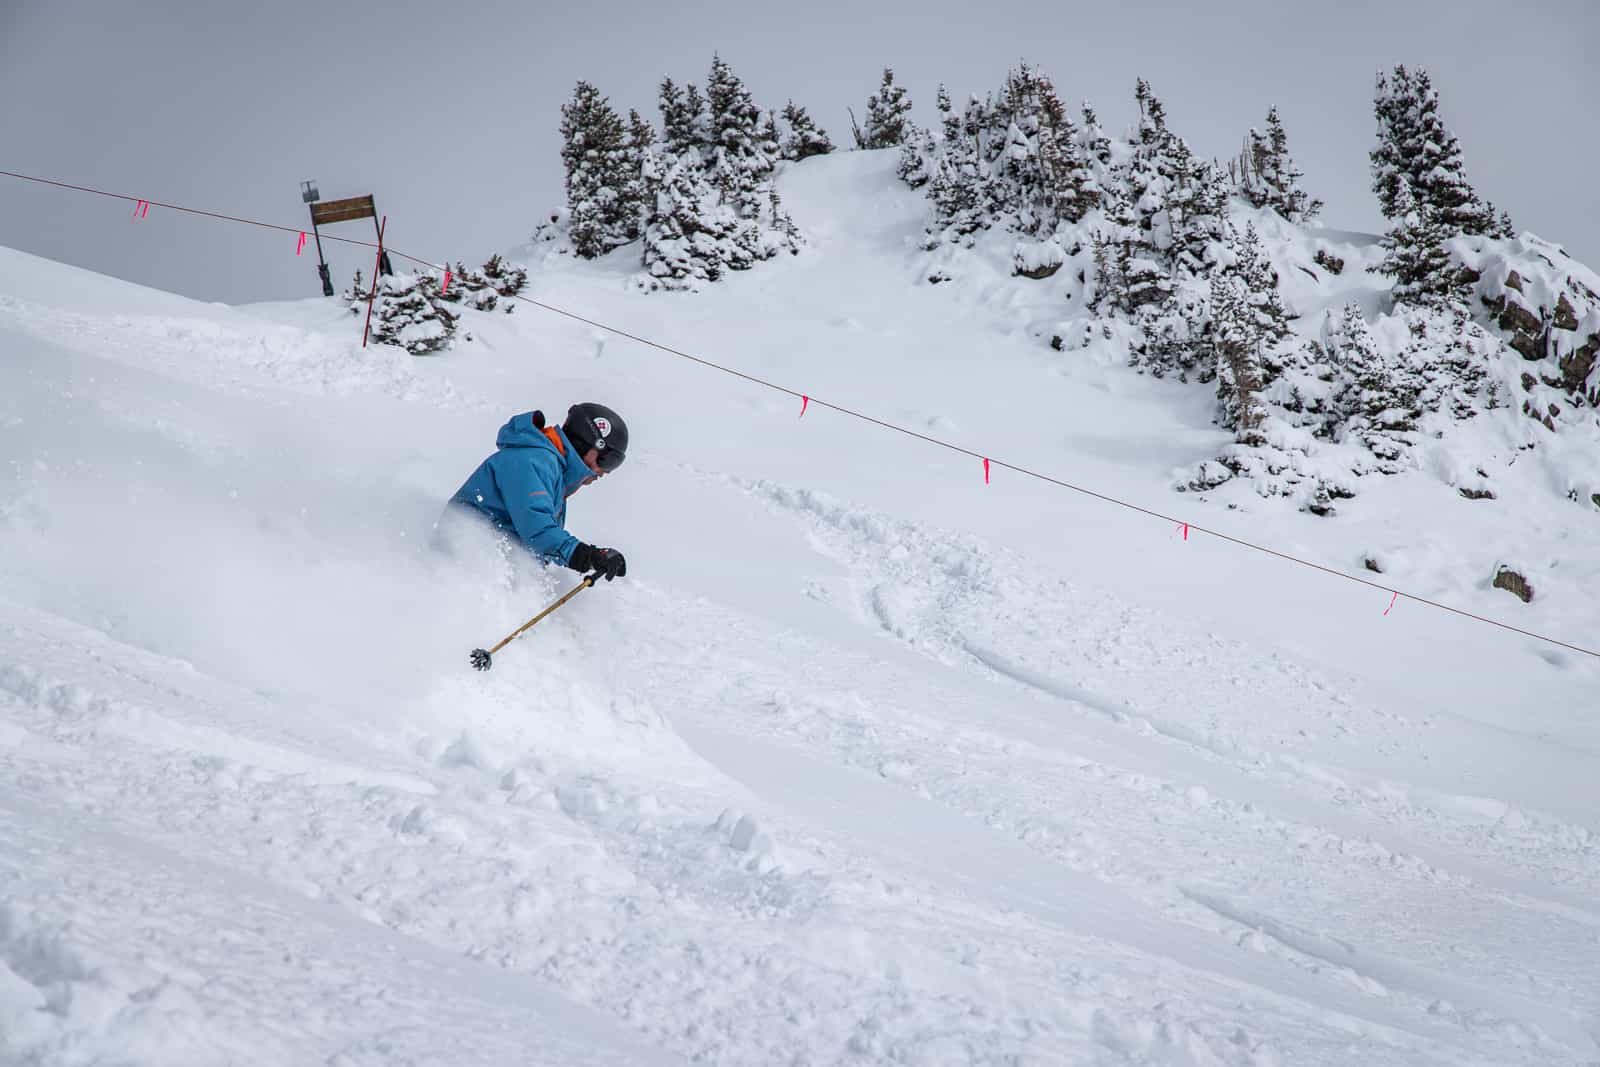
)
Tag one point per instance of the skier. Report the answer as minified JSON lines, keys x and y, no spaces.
{"x":522,"y":489}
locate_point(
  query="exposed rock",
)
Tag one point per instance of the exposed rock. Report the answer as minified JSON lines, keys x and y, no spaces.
{"x":1036,"y":259}
{"x":1576,"y":365}
{"x":1530,"y":347}
{"x":1372,"y":565}
{"x":1476,"y":494}
{"x":1514,"y":281}
{"x":1520,"y":319}
{"x":1039,"y":273}
{"x":1566,"y":316}
{"x":1330,"y":263}
{"x":1533,"y":413}
{"x":1468,"y":276}
{"x":1596,"y":498}
{"x":1512,"y":582}
{"x":1528,"y":381}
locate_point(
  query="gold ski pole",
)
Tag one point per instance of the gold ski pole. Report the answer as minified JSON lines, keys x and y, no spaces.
{"x":483,"y":659}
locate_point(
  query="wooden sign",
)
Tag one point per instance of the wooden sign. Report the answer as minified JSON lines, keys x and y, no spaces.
{"x":356,"y":207}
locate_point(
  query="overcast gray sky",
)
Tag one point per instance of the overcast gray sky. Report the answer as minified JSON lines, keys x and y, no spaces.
{"x":450,"y":118}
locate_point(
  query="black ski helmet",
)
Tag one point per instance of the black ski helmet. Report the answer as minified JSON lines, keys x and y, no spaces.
{"x":597,"y":426}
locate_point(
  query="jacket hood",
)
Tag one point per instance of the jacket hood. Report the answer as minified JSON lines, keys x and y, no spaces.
{"x":521,"y":432}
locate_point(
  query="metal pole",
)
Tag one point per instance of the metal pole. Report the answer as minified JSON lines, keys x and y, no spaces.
{"x":374,"y":294}
{"x":383,"y":257}
{"x":483,"y":659}
{"x":322,"y":264}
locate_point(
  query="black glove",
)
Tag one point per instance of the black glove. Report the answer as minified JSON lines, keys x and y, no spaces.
{"x":607,"y":562}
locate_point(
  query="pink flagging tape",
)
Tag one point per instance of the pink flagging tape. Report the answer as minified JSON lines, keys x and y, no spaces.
{"x":1392,"y":599}
{"x":985,"y":470}
{"x":1185,"y":528}
{"x":446,"y":287}
{"x":805,"y":402}
{"x":301,"y":247}
{"x":141,"y":208}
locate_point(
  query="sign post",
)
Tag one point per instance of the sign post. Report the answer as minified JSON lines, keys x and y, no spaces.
{"x":347,"y":210}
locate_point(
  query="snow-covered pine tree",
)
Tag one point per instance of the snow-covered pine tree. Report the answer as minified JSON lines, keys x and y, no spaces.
{"x":1416,"y":149}
{"x":1093,"y":151}
{"x":1146,"y":174}
{"x":1248,"y":325}
{"x":682,"y":118}
{"x":1178,"y":329}
{"x":1292,"y":202}
{"x":1096,"y":145}
{"x":1398,"y":144}
{"x":1197,"y":211}
{"x":594,"y":152}
{"x":916,"y":159}
{"x":1178,"y":335}
{"x":1266,"y":175}
{"x":1439,"y":179}
{"x":482,"y":289}
{"x":408,"y":313}
{"x":783,"y":234}
{"x":1152,"y":113}
{"x":768,"y":141}
{"x":1040,"y":179}
{"x":470,"y":288}
{"x":950,"y":128}
{"x":698,"y":110}
{"x":1059,"y":174}
{"x":689,"y":235}
{"x":1274,"y":396}
{"x":805,"y":139}
{"x":1145,"y":280}
{"x":1241,"y":375}
{"x":635,"y":191}
{"x":888,"y":116}
{"x":1376,"y":405}
{"x":738,"y":163}
{"x":1416,"y":258}
{"x":1072,"y":191}
{"x":1104,"y":284}
{"x":507,"y":280}
{"x":1140,"y":276}
{"x":1249,"y":172}
{"x":956,"y":183}
{"x":713,"y":205}
{"x":356,"y":295}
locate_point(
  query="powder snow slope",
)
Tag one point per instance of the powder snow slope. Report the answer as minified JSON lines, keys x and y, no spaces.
{"x":866,"y":761}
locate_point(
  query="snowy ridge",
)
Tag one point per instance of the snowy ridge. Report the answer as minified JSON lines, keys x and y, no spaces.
{"x":866,"y":761}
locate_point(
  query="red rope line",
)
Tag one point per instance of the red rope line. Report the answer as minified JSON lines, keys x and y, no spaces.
{"x":136,"y":200}
{"x":808,"y":398}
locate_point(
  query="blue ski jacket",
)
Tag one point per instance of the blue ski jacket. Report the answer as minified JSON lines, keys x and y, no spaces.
{"x":523,"y":487}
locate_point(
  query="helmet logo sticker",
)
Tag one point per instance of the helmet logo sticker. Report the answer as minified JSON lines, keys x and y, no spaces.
{"x":602,"y":424}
